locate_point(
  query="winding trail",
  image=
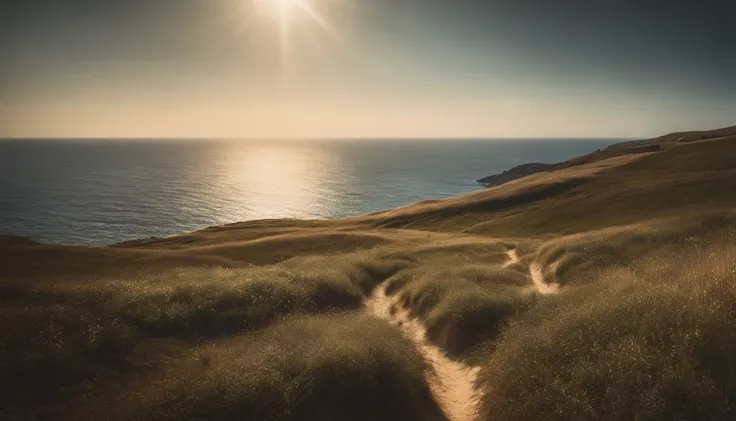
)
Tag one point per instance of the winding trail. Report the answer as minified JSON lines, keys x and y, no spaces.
{"x":535,"y":273}
{"x":453,"y":383}
{"x":513,"y":258}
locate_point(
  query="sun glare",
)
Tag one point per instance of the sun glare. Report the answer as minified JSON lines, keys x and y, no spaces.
{"x":281,"y":8}
{"x":288,"y":12}
{"x":290,"y":23}
{"x":285,"y":10}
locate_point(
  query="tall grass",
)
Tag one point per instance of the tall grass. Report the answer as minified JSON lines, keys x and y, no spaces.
{"x":643,"y":328}
{"x":576,"y":258}
{"x":346,"y":367}
{"x":462,"y":303}
{"x":471,"y":318}
{"x":652,"y":341}
{"x":60,"y":339}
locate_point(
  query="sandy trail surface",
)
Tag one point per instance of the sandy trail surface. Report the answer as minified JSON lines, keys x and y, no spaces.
{"x":536,"y":274}
{"x":513,"y":258}
{"x":453,"y":383}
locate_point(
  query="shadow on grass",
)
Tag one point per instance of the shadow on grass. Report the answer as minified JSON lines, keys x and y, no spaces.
{"x":62,"y":339}
{"x":340,"y":367}
{"x":653,"y":341}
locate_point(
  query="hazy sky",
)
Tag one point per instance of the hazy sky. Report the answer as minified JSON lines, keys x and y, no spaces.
{"x":365,"y":68}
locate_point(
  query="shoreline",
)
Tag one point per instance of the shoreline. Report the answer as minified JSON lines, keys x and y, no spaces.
{"x":628,"y":147}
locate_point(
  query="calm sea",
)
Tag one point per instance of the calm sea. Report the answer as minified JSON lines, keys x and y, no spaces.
{"x":106,"y":191}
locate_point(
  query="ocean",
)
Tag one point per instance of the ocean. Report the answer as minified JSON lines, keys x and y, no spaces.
{"x":99,"y":192}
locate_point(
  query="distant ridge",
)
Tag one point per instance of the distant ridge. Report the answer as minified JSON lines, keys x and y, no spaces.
{"x":619,"y":149}
{"x":514,"y":173}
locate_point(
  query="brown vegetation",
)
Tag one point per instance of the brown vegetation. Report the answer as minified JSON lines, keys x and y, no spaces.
{"x":260,"y":320}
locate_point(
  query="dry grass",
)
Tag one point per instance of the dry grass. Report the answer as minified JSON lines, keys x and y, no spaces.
{"x":305,"y":368}
{"x":463,"y":298}
{"x":574,"y":258}
{"x":187,"y":327}
{"x":652,"y":341}
{"x":20,"y":259}
{"x":697,"y":176}
{"x":60,"y":339}
{"x":642,"y":337}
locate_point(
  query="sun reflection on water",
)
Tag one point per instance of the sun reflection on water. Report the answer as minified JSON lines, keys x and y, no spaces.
{"x":275,"y":181}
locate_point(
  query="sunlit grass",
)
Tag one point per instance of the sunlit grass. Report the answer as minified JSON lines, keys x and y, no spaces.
{"x":655,"y":339}
{"x":60,"y":338}
{"x":641,"y":327}
{"x":462,"y":302}
{"x":336,"y":367}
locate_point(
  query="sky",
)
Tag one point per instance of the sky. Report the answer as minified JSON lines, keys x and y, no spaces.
{"x":365,"y":68}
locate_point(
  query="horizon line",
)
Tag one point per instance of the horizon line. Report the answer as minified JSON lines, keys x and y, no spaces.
{"x":330,"y":138}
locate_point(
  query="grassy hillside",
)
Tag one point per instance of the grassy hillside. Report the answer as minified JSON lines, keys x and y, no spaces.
{"x":695,"y":176}
{"x":602,"y":290}
{"x":349,"y":363}
{"x":655,"y":340}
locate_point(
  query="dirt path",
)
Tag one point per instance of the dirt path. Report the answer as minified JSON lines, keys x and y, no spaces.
{"x":513,"y":258}
{"x":535,"y":273}
{"x":453,"y":382}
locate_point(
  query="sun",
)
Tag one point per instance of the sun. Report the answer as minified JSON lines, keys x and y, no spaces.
{"x":282,"y":9}
{"x":289,"y":23}
{"x":288,"y":12}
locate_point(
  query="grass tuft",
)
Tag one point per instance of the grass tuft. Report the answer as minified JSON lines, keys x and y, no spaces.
{"x":462,"y":304}
{"x":304,"y":368}
{"x":60,"y":339}
{"x":654,"y":341}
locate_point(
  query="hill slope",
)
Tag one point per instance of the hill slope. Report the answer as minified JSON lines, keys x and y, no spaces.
{"x":623,"y":189}
{"x":602,"y":289}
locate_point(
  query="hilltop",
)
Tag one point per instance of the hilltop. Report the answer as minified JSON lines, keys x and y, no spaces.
{"x":618,"y":149}
{"x":601,"y":288}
